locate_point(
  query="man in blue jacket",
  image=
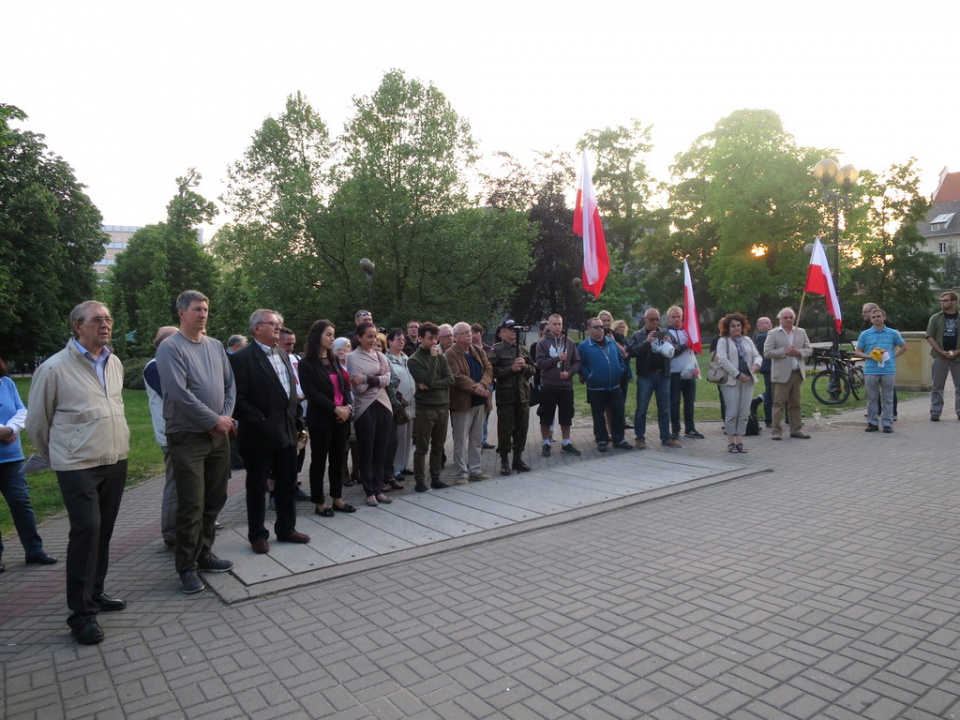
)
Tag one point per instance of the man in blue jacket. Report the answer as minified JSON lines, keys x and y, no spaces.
{"x":601,"y":366}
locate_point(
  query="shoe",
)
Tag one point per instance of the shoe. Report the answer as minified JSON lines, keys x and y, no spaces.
{"x":934,"y":418}
{"x":372,"y":501}
{"x":602,"y":446}
{"x":570,"y":449}
{"x":438,"y":484}
{"x":301,"y":496}
{"x":871,"y":428}
{"x":88,"y":632}
{"x":478,"y":477}
{"x":741,"y":448}
{"x":800,"y":436}
{"x":627,"y":426}
{"x":217,"y":525}
{"x":384,"y":500}
{"x":671,"y":443}
{"x":461,"y":480}
{"x":775,"y":437}
{"x":640,"y":444}
{"x":109,"y":604}
{"x":295,"y":537}
{"x":260,"y":547}
{"x":623,"y":445}
{"x":170,"y":542}
{"x":392,"y":482}
{"x":487,"y":446}
{"x":421,"y":487}
{"x":732,"y":448}
{"x":888,"y":429}
{"x":505,"y":466}
{"x":406,"y":471}
{"x":519,"y":465}
{"x":40,"y":558}
{"x":693,"y":434}
{"x":345,"y":508}
{"x":190,"y":582}
{"x":208,"y":562}
{"x":769,"y":424}
{"x":675,"y":435}
{"x":546,"y":450}
{"x":323,"y":512}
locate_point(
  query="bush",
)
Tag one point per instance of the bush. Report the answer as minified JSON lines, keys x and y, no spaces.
{"x":133,"y":373}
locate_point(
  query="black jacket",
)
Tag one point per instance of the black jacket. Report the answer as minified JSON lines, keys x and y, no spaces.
{"x":318,"y":390}
{"x":267,"y":416}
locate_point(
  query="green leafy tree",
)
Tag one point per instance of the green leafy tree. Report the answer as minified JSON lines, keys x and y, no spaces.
{"x":50,"y":237}
{"x":882,"y":260}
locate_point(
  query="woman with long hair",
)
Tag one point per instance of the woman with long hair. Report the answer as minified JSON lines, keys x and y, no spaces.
{"x":737,"y":354}
{"x":326,"y":387}
{"x":13,"y":483}
{"x":369,"y":373}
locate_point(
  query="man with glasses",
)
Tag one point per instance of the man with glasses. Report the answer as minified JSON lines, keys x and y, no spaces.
{"x":76,"y":421}
{"x":469,"y":400}
{"x":413,"y":337}
{"x":788,"y":347}
{"x":944,"y":349}
{"x":601,"y":366}
{"x":198,"y":400}
{"x":653,"y":379}
{"x":445,"y":337}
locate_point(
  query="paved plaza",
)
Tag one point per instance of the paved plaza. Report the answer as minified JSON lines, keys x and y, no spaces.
{"x":805,"y":579}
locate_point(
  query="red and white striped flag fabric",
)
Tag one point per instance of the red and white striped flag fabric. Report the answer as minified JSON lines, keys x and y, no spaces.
{"x":691,"y":321}
{"x":587,"y":224}
{"x":820,"y":282}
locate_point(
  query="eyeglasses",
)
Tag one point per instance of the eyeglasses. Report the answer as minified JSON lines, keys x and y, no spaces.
{"x":596,"y":327}
{"x":271,"y":323}
{"x":98,"y":320}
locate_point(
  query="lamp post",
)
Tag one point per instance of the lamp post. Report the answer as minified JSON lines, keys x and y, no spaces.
{"x":828,"y":171}
{"x":366,"y":264}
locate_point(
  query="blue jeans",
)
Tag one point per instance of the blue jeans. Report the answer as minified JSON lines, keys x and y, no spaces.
{"x":654,"y":384}
{"x":13,"y":485}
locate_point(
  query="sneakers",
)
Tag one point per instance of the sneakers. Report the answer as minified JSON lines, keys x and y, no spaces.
{"x":800,"y":436}
{"x":871,"y":428}
{"x":208,"y":562}
{"x":478,"y":477}
{"x":421,"y":487}
{"x":190,"y":582}
{"x":602,"y":446}
{"x":570,"y":449}
{"x":623,"y":445}
{"x":694,"y":434}
{"x":640,"y":444}
{"x":934,"y":418}
{"x":438,"y":484}
{"x":888,"y":429}
{"x":461,"y":480}
{"x":546,"y":450}
{"x":671,"y":443}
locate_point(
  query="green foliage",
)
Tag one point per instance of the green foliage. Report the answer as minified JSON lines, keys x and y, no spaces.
{"x":50,"y":238}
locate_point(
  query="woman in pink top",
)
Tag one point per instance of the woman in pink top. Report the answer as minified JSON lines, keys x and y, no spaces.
{"x":369,"y":373}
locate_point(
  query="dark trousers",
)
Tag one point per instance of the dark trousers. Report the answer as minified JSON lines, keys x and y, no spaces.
{"x":685,"y":389}
{"x":600,"y":401}
{"x":373,"y":436}
{"x":767,"y":399}
{"x":327,"y":443}
{"x":201,"y":470}
{"x":282,"y":466}
{"x":13,"y":485}
{"x":430,"y":429}
{"x":92,"y":499}
{"x":392,"y":444}
{"x":513,"y":421}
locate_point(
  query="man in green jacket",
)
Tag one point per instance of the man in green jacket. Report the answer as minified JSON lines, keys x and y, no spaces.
{"x":512,"y":369}
{"x":433,"y":377}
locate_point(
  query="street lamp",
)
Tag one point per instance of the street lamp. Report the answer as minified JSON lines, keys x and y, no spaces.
{"x":366,"y":264}
{"x":828,"y":171}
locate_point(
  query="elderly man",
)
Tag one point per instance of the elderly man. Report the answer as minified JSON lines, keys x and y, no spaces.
{"x":76,"y":421}
{"x":433,"y":377}
{"x":601,"y":367}
{"x":198,"y":398}
{"x":653,"y":380}
{"x":445,"y":337}
{"x":764,"y":326}
{"x":942,"y":334}
{"x":288,"y":343}
{"x":236,"y":343}
{"x":154,"y":387}
{"x":267,"y":412}
{"x":469,"y":397}
{"x":558,"y":362}
{"x":512,"y":369}
{"x":787,"y":346}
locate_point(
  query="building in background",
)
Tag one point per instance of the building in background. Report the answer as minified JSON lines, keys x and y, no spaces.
{"x":942,"y":226}
{"x":119,"y":239}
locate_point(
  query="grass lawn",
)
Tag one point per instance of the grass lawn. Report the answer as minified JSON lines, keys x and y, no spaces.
{"x":145,"y":460}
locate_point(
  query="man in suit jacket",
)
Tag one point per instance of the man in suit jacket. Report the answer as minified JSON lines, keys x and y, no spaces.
{"x":267,"y":412}
{"x":787,"y":346}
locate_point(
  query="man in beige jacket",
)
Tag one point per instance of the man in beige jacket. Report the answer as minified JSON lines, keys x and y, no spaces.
{"x":787,"y":346}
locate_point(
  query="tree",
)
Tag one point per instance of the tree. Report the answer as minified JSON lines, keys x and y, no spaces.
{"x":50,"y":237}
{"x":882,"y":260}
{"x":744,"y":204}
{"x":161,"y":261}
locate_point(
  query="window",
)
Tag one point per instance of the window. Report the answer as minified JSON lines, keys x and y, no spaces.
{"x":943,"y":249}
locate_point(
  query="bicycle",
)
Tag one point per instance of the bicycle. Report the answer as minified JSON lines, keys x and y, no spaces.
{"x":842,"y":377}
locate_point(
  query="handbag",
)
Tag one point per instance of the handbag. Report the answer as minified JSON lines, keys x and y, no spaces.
{"x":400,"y":414}
{"x":716,"y":373}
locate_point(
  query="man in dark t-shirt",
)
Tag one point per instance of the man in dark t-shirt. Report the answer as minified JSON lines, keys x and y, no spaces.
{"x":942,"y":336}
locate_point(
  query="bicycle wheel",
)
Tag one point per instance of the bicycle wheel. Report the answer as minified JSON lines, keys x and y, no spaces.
{"x":857,"y":381}
{"x":831,"y":387}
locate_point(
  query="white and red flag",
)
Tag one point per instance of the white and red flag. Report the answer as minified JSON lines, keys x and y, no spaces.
{"x":691,"y":321}
{"x":587,"y":224}
{"x":820,"y":282}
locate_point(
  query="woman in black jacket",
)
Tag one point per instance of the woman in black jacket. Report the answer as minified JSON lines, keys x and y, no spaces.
{"x":326,"y":387}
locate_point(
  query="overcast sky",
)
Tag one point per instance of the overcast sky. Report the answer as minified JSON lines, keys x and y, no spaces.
{"x":132,"y":94}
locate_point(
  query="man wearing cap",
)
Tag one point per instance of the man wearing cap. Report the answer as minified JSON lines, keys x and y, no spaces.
{"x":362,"y":316}
{"x":512,"y":369}
{"x":468,"y":402}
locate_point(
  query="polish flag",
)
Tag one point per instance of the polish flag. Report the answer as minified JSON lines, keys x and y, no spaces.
{"x":820,"y":282}
{"x":691,"y":321}
{"x":587,"y":224}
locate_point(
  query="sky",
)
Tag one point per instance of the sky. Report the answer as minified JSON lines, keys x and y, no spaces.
{"x":132,"y":94}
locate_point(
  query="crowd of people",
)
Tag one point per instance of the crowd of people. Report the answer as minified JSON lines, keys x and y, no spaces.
{"x":368,"y":402}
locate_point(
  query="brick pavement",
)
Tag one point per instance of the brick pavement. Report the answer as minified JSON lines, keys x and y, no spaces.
{"x":826,"y":588}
